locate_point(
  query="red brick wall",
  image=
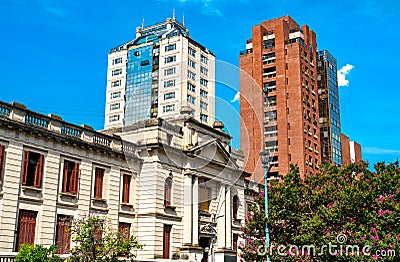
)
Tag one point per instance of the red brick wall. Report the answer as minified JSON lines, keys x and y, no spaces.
{"x":289,"y":95}
{"x":357,"y":151}
{"x":345,"y":149}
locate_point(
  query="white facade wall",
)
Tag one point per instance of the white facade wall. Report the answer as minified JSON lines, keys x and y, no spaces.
{"x":182,"y":149}
{"x":187,"y":62}
{"x":115,"y":91}
{"x":49,"y":200}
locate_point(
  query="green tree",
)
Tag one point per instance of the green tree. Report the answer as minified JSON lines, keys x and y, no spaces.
{"x":37,"y":253}
{"x":96,"y":240}
{"x":350,"y":207}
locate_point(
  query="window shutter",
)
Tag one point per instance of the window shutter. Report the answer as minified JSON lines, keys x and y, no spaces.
{"x":25,"y":167}
{"x":22,"y":227}
{"x":63,"y":238}
{"x":2,"y":148}
{"x":38,"y":173}
{"x":65,"y":177}
{"x":74,"y":179}
{"x":26,"y":228}
{"x":99,"y":183}
{"x":126,"y":188}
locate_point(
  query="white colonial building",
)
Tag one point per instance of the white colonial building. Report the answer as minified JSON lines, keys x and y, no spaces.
{"x":177,"y":186}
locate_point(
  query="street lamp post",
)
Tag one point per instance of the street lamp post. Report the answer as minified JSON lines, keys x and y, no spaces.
{"x":266,"y":164}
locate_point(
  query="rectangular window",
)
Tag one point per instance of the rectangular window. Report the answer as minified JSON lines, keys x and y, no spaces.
{"x":271,"y":101}
{"x":203,"y":82}
{"x":190,"y":99}
{"x":126,"y":184}
{"x":115,"y":94}
{"x":2,"y":160}
{"x":192,"y":52}
{"x":169,"y":108}
{"x":32,"y":170}
{"x":203,"y":105}
{"x":203,"y":117}
{"x":98,"y":182}
{"x":204,"y":59}
{"x":191,"y":75}
{"x":166,"y":241}
{"x":191,"y":87}
{"x":114,"y":118}
{"x":192,"y":64}
{"x":270,"y":116}
{"x":63,"y":237}
{"x":70,"y":177}
{"x":203,"y":93}
{"x":271,"y":128}
{"x":115,"y":106}
{"x":145,"y":63}
{"x":115,"y":83}
{"x":117,"y":61}
{"x":169,"y":95}
{"x":204,"y":70}
{"x":204,"y":195}
{"x":169,"y":71}
{"x":170,"y":47}
{"x":125,"y":229}
{"x":169,"y":83}
{"x":116,"y":72}
{"x":170,"y":59}
{"x":271,"y":144}
{"x":26,"y":228}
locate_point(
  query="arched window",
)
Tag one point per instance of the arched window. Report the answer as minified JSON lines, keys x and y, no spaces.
{"x":235,"y":206}
{"x":167,"y":191}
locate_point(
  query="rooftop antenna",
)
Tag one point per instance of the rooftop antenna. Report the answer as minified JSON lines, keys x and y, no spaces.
{"x":183,"y":19}
{"x":143,"y":22}
{"x":173,"y":14}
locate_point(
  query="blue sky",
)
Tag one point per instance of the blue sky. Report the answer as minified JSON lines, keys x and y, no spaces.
{"x":54,"y":55}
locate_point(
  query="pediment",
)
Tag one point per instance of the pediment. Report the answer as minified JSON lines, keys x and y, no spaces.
{"x":215,"y":151}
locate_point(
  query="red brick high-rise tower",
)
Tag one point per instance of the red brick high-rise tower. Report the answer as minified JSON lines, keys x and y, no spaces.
{"x":279,"y":98}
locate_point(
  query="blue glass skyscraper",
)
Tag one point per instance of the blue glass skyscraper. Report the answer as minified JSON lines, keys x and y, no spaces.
{"x":329,"y":109}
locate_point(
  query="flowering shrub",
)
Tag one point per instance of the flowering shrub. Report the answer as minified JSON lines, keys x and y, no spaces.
{"x":344,"y":207}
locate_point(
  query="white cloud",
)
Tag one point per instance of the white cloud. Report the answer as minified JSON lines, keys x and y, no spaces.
{"x":342,"y":73}
{"x":381,"y":151}
{"x":236,"y":97}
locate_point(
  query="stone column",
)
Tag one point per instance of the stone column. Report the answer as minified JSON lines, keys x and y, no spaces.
{"x":221,"y":221}
{"x":187,"y":210}
{"x":228,"y":218}
{"x":195,"y":213}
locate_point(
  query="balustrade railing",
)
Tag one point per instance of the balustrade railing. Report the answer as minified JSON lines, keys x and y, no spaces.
{"x":18,"y":113}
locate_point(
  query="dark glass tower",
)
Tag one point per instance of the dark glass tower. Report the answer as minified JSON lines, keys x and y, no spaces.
{"x":329,"y":109}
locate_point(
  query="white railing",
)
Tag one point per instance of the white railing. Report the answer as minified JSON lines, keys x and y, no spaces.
{"x":18,"y":114}
{"x":269,"y":75}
